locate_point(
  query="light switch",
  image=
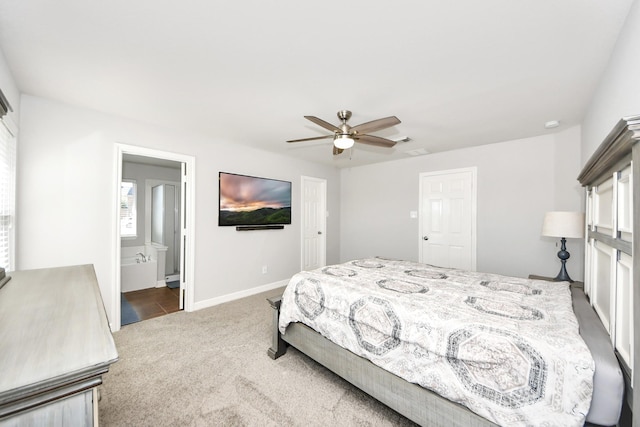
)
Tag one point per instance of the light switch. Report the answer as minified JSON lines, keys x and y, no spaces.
{"x":413,"y":214}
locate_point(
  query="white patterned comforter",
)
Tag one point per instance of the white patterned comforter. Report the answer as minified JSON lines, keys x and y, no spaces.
{"x":506,"y":348}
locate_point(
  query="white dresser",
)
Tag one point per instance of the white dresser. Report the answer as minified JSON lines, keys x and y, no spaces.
{"x":55,"y":344}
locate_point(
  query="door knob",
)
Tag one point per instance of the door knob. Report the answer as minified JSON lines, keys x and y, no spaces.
{"x":425,"y":238}
{"x":319,"y":232}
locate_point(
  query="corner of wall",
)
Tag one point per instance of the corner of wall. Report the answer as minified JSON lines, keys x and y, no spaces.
{"x":567,"y":165}
{"x":616,"y":93}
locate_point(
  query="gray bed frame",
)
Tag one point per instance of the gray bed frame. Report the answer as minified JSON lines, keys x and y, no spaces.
{"x":414,"y":402}
{"x":410,"y":400}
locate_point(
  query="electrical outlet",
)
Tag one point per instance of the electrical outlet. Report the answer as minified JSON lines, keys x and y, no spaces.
{"x":264,"y":269}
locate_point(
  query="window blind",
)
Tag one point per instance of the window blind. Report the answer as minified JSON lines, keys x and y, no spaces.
{"x":5,"y":107}
{"x":7,"y":193}
{"x":128,"y":215}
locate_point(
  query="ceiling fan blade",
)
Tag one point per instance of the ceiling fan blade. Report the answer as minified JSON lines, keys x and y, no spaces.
{"x":374,"y":140}
{"x":337,"y":150}
{"x":376,"y":125}
{"x":312,"y":139}
{"x":324,"y":124}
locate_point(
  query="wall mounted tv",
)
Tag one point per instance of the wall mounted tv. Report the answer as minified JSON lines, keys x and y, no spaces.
{"x":250,"y":201}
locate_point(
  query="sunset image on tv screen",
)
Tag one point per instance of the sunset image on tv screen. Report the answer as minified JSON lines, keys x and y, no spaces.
{"x":248,"y":200}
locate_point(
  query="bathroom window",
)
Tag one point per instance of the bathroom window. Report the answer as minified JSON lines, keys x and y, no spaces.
{"x":128,"y":217}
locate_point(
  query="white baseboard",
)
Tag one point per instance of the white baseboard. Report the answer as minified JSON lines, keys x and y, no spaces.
{"x":237,"y":295}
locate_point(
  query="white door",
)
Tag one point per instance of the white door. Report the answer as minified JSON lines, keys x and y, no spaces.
{"x":448,"y":218}
{"x":314,"y":208}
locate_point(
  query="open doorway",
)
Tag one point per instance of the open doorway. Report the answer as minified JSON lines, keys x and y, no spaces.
{"x":154,"y":233}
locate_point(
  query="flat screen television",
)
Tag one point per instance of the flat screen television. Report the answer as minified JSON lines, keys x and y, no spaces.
{"x":253,"y":201}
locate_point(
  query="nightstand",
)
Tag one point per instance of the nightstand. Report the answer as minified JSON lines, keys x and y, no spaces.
{"x":574,"y":284}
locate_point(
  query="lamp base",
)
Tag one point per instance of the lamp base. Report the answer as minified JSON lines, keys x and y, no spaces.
{"x":563,"y":276}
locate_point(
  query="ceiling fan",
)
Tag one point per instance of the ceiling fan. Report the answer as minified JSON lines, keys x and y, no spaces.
{"x":344,"y":135}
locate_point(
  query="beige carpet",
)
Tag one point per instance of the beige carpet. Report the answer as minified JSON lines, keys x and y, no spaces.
{"x":210,"y":368}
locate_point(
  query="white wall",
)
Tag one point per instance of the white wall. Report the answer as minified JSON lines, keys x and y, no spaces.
{"x":67,"y":179}
{"x":618,"y":91}
{"x":518,"y":181}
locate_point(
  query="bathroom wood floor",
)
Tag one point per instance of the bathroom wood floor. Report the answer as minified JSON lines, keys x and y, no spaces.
{"x":154,"y":302}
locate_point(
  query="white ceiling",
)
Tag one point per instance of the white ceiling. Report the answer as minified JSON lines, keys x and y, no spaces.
{"x":456,"y":73}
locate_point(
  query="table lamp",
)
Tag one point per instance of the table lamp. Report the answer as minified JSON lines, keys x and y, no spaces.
{"x":566,"y":225}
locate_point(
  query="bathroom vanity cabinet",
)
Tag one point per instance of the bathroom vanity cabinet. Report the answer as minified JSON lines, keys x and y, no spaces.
{"x":55,"y":345}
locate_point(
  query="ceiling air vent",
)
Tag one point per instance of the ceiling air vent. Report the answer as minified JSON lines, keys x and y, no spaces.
{"x":417,"y":152}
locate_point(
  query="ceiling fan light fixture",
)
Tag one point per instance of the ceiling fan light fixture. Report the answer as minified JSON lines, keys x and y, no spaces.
{"x":343,"y":141}
{"x":345,"y":136}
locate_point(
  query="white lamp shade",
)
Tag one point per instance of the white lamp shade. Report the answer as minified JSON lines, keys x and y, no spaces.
{"x":563,"y":224}
{"x":343,"y":142}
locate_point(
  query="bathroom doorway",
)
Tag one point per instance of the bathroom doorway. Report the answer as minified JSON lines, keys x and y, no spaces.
{"x":155,"y":238}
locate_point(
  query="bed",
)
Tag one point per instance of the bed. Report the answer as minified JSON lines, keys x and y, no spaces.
{"x":450,"y":347}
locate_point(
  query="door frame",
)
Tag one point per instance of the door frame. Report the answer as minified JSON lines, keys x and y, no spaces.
{"x":187,"y":225}
{"x":474,"y":209}
{"x":323,"y":183}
